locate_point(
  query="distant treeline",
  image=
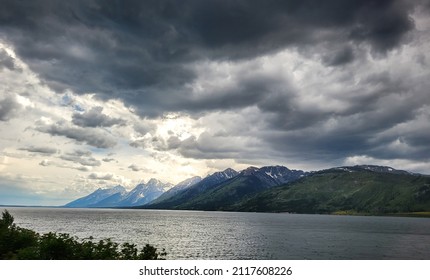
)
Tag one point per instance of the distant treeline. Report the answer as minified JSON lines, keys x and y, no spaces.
{"x":20,"y":243}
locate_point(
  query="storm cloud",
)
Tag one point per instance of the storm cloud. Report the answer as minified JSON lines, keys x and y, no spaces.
{"x":6,"y":61}
{"x":94,"y":137}
{"x":40,"y":150}
{"x":98,"y":176}
{"x":167,"y":88}
{"x":9,"y":108}
{"x":84,"y":158}
{"x":95,"y":118}
{"x":143,"y":52}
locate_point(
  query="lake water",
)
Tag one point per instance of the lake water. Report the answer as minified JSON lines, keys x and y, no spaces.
{"x":230,"y":235}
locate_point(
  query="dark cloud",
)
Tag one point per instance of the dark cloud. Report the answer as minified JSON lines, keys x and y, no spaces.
{"x":212,"y":146}
{"x":40,"y":150}
{"x":95,"y":118}
{"x":155,"y":142}
{"x":385,"y":115}
{"x":9,"y":108}
{"x":82,"y":157}
{"x":340,"y":57}
{"x":98,"y":176}
{"x":136,"y":168}
{"x":250,"y":87}
{"x":141,"y":51}
{"x":45,"y":162}
{"x":347,"y":83}
{"x":140,"y":143}
{"x":91,"y":136}
{"x":383,"y":23}
{"x":173,"y":143}
{"x":142,"y":127}
{"x":355,"y":130}
{"x":83,"y":168}
{"x":407,"y":140}
{"x":6,"y":61}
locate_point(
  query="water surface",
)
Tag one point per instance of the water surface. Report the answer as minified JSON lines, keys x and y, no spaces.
{"x":232,"y":235}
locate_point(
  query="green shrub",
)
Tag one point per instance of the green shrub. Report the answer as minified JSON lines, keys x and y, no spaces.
{"x":21,"y":243}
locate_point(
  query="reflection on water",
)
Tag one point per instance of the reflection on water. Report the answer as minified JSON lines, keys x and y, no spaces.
{"x":225,"y":235}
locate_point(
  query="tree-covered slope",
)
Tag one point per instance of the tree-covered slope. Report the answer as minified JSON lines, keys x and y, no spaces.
{"x":335,"y":190}
{"x":225,"y":194}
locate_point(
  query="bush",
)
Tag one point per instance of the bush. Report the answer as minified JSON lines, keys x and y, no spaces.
{"x":21,"y":243}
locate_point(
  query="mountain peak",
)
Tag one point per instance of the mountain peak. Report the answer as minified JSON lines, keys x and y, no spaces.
{"x":250,"y":170}
{"x":275,"y":168}
{"x":274,"y":175}
{"x":96,"y":196}
{"x":188,"y":182}
{"x":227,"y":173}
{"x":230,"y":171}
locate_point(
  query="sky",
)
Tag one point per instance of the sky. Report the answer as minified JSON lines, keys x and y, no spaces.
{"x":99,"y":93}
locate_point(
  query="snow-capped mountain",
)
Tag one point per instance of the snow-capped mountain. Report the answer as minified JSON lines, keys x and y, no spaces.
{"x":263,"y":179}
{"x":178,"y":187}
{"x":229,"y":189}
{"x":145,"y":193}
{"x":217,"y":177}
{"x":282,"y":174}
{"x":273,"y":175}
{"x":111,"y":201}
{"x":96,"y":197}
{"x":224,"y":188}
{"x":205,"y":184}
{"x":223,"y":175}
{"x":119,"y":197}
{"x":186,"y":184}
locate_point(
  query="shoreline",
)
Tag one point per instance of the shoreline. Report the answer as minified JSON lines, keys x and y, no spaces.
{"x":417,"y":214}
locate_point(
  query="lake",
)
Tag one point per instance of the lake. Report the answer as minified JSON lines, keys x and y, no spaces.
{"x":232,"y":235}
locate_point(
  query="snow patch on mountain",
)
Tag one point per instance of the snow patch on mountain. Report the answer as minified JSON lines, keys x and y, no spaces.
{"x":274,"y":175}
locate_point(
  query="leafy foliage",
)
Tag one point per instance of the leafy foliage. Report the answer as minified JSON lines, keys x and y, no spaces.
{"x":21,"y":243}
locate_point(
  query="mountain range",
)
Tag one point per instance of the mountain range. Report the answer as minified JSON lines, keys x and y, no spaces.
{"x":164,"y":195}
{"x":366,"y":189}
{"x":119,"y":197}
{"x":361,"y":189}
{"x":224,"y":188}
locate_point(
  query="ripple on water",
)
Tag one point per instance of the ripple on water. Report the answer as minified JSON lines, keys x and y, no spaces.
{"x":224,"y":235}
